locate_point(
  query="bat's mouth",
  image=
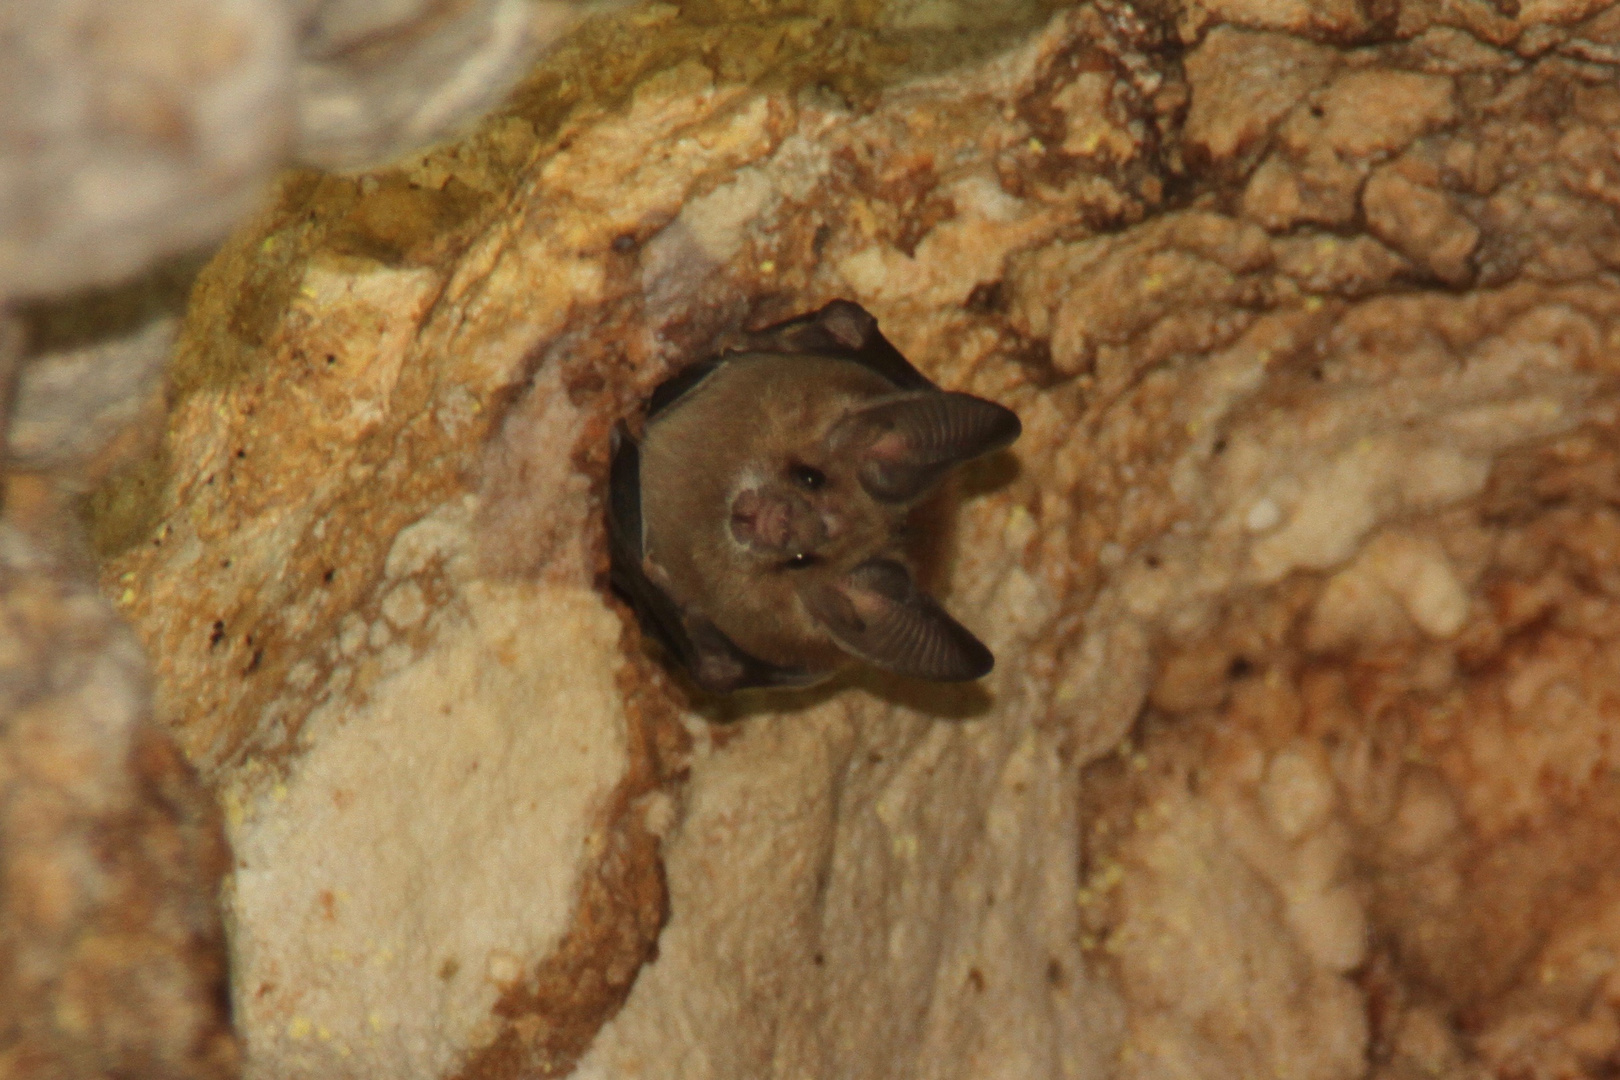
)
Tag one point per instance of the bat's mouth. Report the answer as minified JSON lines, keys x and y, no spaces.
{"x":776,"y":522}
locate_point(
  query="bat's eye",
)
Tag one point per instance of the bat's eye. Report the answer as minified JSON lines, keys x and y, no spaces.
{"x":807,"y":477}
{"x":801,"y":560}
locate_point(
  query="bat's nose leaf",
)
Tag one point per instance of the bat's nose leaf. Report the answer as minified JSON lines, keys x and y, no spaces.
{"x":877,"y":613}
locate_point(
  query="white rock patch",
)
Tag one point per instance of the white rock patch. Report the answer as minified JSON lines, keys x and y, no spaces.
{"x":426,"y":850}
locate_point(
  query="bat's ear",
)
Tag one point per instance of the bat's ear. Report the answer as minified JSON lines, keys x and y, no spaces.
{"x":877,"y":613}
{"x":906,"y":443}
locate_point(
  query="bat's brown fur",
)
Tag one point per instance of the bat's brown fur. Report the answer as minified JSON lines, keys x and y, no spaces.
{"x":760,"y":526}
{"x":738,"y":438}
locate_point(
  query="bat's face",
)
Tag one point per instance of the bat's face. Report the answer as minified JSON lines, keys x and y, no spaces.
{"x":773,"y":500}
{"x":795,"y":508}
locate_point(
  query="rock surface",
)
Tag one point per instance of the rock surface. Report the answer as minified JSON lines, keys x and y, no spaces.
{"x":128,"y":135}
{"x":132,"y":134}
{"x":111,"y":957}
{"x":378,"y":80}
{"x":1294,"y":761}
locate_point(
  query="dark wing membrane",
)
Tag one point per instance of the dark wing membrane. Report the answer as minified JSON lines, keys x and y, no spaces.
{"x":713,"y":661}
{"x":624,"y":495}
{"x":677,"y":385}
{"x":660,"y":619}
{"x":720,"y":667}
{"x":842,"y":330}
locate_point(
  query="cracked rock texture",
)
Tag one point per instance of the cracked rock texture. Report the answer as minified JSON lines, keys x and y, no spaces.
{"x":1301,"y":580}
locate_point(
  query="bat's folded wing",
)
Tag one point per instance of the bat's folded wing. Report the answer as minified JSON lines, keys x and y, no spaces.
{"x":842,"y":330}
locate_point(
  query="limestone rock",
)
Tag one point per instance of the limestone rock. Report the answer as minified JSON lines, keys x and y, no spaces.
{"x":70,"y":406}
{"x":111,"y":957}
{"x":130,"y":134}
{"x":378,"y":80}
{"x":1294,"y":761}
{"x":133,"y":132}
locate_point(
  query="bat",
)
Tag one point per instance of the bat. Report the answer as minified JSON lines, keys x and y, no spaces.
{"x":758,"y":529}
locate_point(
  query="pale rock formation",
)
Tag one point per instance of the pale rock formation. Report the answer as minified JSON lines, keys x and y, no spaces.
{"x":111,"y":958}
{"x":130,"y":133}
{"x":1301,"y":579}
{"x":374,"y":80}
{"x":133,"y":132}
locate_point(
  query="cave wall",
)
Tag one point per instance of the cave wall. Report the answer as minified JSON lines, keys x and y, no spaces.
{"x":1295,"y":758}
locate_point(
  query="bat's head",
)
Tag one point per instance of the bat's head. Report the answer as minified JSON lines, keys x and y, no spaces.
{"x":817,"y":519}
